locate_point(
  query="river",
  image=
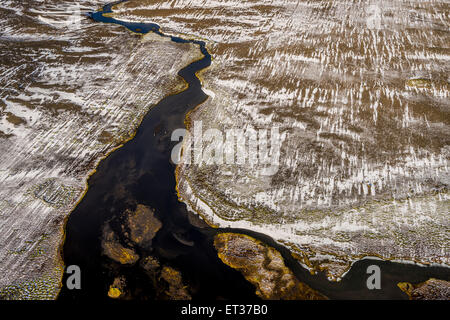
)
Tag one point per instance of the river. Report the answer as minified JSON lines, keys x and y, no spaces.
{"x":142,"y":167}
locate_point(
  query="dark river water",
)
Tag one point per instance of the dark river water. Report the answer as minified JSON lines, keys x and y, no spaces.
{"x":141,"y":173}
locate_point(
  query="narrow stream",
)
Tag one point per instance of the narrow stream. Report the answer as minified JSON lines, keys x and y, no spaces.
{"x":141,"y":173}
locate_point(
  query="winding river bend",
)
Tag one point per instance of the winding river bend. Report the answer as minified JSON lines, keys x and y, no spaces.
{"x":142,"y":167}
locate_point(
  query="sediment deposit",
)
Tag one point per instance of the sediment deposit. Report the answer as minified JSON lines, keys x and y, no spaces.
{"x":432,"y":289}
{"x":264,"y":267}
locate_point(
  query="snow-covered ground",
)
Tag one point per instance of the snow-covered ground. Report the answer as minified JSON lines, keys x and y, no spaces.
{"x":360,"y":90}
{"x":71,"y":90}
